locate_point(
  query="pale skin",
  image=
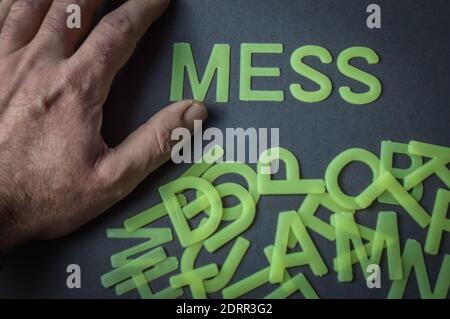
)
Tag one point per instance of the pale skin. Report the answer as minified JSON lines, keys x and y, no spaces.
{"x":56,"y":171}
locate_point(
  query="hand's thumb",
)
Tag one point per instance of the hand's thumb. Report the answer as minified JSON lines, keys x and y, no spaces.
{"x":125,"y":166}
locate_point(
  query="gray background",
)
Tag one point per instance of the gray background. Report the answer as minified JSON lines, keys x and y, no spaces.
{"x":415,"y":63}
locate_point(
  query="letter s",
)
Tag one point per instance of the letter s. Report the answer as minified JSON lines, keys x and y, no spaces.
{"x":356,"y":74}
{"x":301,"y":68}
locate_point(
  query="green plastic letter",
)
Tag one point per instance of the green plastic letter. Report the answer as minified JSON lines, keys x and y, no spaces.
{"x":187,"y":236}
{"x":219,"y":63}
{"x":344,"y":66}
{"x":413,"y":258}
{"x":439,"y":222}
{"x":248,"y":72}
{"x":301,"y":68}
{"x":287,"y":222}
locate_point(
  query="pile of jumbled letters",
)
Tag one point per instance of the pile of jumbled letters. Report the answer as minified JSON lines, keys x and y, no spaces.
{"x":138,"y":266}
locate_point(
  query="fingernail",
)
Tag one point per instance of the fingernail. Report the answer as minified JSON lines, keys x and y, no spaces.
{"x":197,"y":111}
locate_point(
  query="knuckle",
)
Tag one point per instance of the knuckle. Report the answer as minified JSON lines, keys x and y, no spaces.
{"x":118,"y":24}
{"x":24,"y":5}
{"x":76,"y":82}
{"x":81,"y":87}
{"x":116,"y":29}
{"x":15,"y":16}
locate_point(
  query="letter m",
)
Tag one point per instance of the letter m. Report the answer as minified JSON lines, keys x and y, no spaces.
{"x":183,"y":60}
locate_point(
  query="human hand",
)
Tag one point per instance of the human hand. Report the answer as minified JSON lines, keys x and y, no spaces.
{"x":56,"y":171}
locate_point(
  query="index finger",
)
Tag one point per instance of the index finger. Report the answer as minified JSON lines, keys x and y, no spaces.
{"x":114,"y":39}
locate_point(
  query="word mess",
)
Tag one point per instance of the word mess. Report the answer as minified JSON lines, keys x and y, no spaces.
{"x":219,"y":65}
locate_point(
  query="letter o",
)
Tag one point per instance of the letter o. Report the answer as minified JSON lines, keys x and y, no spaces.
{"x":337,"y":165}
